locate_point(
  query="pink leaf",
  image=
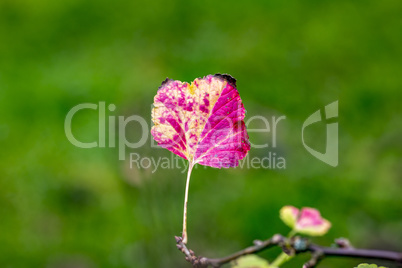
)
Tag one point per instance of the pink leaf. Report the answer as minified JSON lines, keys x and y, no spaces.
{"x":202,"y":121}
{"x":307,"y":221}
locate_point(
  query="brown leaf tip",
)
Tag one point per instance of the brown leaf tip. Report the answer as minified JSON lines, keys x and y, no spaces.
{"x":167,"y":80}
{"x":228,"y":78}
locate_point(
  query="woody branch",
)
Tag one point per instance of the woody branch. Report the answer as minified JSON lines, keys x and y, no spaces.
{"x":293,"y":246}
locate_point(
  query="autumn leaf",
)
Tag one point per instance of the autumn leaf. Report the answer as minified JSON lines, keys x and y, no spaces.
{"x":201,"y":122}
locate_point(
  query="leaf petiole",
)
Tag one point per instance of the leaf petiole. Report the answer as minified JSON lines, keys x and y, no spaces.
{"x":281,"y":259}
{"x":184,"y":234}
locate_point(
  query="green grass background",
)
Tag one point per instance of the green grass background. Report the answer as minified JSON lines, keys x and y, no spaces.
{"x":63,"y":206}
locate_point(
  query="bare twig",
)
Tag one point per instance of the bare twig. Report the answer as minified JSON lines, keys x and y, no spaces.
{"x":293,"y":246}
{"x":358,"y":253}
{"x":314,"y":260}
{"x":258,"y":246}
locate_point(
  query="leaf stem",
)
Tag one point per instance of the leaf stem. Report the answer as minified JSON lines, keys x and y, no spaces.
{"x":292,"y":234}
{"x":281,"y":259}
{"x":184,"y":233}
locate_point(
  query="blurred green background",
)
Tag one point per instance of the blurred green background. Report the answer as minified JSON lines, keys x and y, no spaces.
{"x":62,"y":206}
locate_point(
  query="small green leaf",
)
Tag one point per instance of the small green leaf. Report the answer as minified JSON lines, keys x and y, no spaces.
{"x":365,"y":265}
{"x":250,"y":261}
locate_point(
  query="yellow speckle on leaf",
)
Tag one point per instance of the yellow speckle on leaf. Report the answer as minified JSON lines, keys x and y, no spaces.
{"x":191,"y":88}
